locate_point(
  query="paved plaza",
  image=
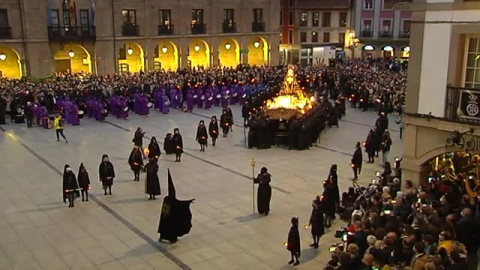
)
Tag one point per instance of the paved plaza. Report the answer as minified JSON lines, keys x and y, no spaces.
{"x":39,"y":231}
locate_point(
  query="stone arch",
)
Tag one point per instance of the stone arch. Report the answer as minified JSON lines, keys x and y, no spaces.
{"x":10,"y":65}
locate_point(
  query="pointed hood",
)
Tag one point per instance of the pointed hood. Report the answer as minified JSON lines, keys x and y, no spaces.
{"x":171,"y":187}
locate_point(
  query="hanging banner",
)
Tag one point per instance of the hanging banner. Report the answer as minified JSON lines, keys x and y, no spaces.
{"x":469,"y":105}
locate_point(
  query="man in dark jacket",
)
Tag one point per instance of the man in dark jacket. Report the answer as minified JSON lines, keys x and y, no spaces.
{"x":468,"y":233}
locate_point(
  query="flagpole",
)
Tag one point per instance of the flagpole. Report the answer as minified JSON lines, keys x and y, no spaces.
{"x":252,"y":163}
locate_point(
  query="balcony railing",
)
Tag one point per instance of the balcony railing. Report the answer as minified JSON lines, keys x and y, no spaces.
{"x":405,"y":35}
{"x":165,"y":30}
{"x":385,"y":34}
{"x":462,"y":104}
{"x":229,"y":27}
{"x":258,"y":26}
{"x":366,"y":33}
{"x":5,"y":32}
{"x":199,"y":28}
{"x":130,"y":30}
{"x":71,"y":33}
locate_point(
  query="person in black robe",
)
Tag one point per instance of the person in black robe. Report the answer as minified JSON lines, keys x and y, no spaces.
{"x":230,"y":118}
{"x":332,"y":118}
{"x":138,"y":139}
{"x":136,"y":162}
{"x":293,"y":132}
{"x":357,"y":159}
{"x":3,"y":110}
{"x":245,"y":113}
{"x":213,"y":130}
{"x":293,"y":242}
{"x":328,"y":203}
{"x":253,"y":132}
{"x":107,"y":174}
{"x":316,"y":221}
{"x":225,"y":123}
{"x":154,"y":149}
{"x":177,"y":144}
{"x":29,"y":114}
{"x":83,"y":182}
{"x":152,"y":184}
{"x":333,"y":178}
{"x":370,"y":145}
{"x":202,"y":135}
{"x":264,"y":193}
{"x":70,"y":186}
{"x":167,"y":144}
{"x":176,"y":217}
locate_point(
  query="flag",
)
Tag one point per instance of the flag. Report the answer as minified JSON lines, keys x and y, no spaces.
{"x":92,"y":12}
{"x":71,"y":9}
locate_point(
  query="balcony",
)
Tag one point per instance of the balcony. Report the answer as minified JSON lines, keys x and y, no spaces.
{"x":258,"y":26}
{"x":130,"y":30}
{"x":404,"y":35}
{"x":5,"y":32}
{"x":165,"y":30}
{"x":71,"y":33}
{"x":366,"y":33}
{"x":462,"y":104}
{"x":229,"y":27}
{"x":199,"y":28}
{"x":385,"y":34}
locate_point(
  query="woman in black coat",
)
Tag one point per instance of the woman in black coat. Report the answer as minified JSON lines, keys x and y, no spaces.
{"x":154,"y":149}
{"x":293,"y":242}
{"x":177,"y":144}
{"x":138,"y":137}
{"x":357,"y":161}
{"x":264,"y":193}
{"x":202,"y":135}
{"x":213,"y":129}
{"x":136,"y":162}
{"x":83,"y":182}
{"x":152,"y":185}
{"x":70,"y":186}
{"x":225,"y":123}
{"x":370,"y":146}
{"x":316,"y":221}
{"x":333,"y":178}
{"x":107,"y":174}
{"x":167,"y":144}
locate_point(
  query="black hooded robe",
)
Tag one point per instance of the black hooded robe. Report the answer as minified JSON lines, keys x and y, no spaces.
{"x":264,"y":193}
{"x":152,"y":185}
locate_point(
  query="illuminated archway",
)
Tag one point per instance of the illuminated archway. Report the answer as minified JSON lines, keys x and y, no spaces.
{"x":131,"y":58}
{"x":10,"y":66}
{"x":257,"y":52}
{"x":199,"y":53}
{"x":166,"y":56}
{"x":229,"y":53}
{"x":73,"y":58}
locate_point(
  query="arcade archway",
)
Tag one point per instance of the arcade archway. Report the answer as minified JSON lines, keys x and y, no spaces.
{"x":166,"y":56}
{"x":199,"y":54}
{"x":10,"y":66}
{"x":73,"y":58}
{"x":229,"y":53}
{"x":131,"y":58}
{"x":257,"y":52}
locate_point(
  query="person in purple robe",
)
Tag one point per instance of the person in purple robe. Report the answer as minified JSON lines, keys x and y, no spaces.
{"x":74,"y":112}
{"x":216,"y":96}
{"x":208,"y":98}
{"x":225,"y":97}
{"x":123,"y":108}
{"x":173,"y":98}
{"x":157,"y":96}
{"x":189,"y":100}
{"x":165,"y":104}
{"x":199,"y":94}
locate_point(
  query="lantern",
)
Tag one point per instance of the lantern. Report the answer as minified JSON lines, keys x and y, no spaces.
{"x":130,"y":51}
{"x":71,"y":54}
{"x":164,"y":49}
{"x":227,"y":46}
{"x":3,"y":56}
{"x":196,"y":47}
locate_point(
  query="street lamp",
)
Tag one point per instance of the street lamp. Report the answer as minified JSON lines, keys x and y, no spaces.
{"x":130,"y":51}
{"x":227,"y":46}
{"x":164,"y":49}
{"x":3,"y":56}
{"x":71,"y":53}
{"x":256,"y":44}
{"x":196,"y":47}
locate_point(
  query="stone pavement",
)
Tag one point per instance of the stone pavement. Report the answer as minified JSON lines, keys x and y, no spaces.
{"x":119,"y":231}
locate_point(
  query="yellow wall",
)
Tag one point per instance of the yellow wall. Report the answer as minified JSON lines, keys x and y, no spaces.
{"x":168,"y":60}
{"x":200,"y":58}
{"x":135,"y":61}
{"x":257,"y":56}
{"x":230,"y":58}
{"x":77,"y":63}
{"x":10,"y":68}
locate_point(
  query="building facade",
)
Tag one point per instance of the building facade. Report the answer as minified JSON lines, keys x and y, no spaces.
{"x":38,"y":38}
{"x":313,"y":31}
{"x":443,"y":89}
{"x":380,"y":31}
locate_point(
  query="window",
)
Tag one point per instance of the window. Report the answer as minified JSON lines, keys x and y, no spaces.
{"x":315,"y":18}
{"x":197,"y":16}
{"x":165,"y":16}
{"x":326,"y":19}
{"x":472,"y":72}
{"x":341,"y":38}
{"x":303,"y":37}
{"x":326,"y":37}
{"x":281,"y":17}
{"x":367,"y":25}
{"x":54,"y":17}
{"x":68,"y":19}
{"x":388,"y":4}
{"x":406,"y":26}
{"x":123,"y":68}
{"x":84,"y":17}
{"x":314,"y":36}
{"x":290,"y":18}
{"x":229,"y":15}
{"x":258,"y":14}
{"x":343,"y":19}
{"x":386,"y":26}
{"x":303,"y":19}
{"x":129,"y":16}
{"x":367,"y":4}
{"x":3,"y":18}
{"x":290,"y":36}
